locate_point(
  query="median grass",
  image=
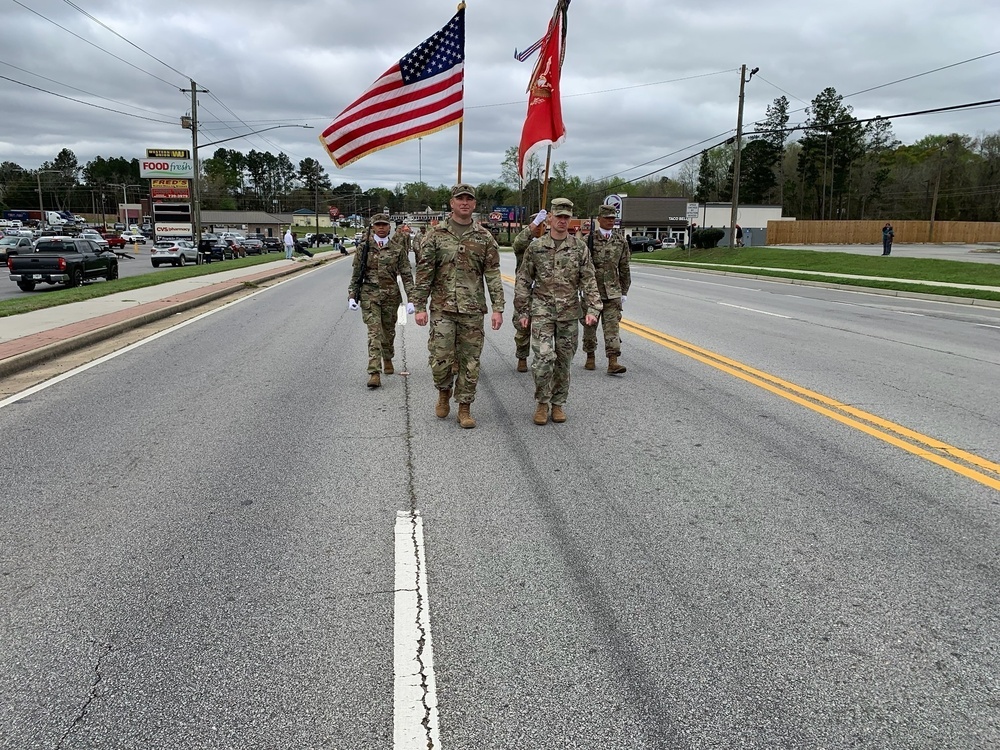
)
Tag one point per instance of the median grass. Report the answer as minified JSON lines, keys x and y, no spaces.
{"x":46,"y":296}
{"x":797,"y":264}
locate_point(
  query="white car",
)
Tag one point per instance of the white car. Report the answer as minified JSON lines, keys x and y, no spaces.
{"x":133,"y":237}
{"x":174,"y":252}
{"x":96,"y":237}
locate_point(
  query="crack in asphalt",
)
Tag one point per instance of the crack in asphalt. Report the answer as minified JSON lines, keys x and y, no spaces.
{"x":98,"y":677}
{"x":422,"y":606}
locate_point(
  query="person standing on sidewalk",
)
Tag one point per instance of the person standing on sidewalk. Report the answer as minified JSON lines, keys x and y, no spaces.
{"x":455,"y":257}
{"x":522,"y":336}
{"x":375,"y":291}
{"x":611,"y":257}
{"x":289,"y":241}
{"x":887,"y":235}
{"x":555,"y":272}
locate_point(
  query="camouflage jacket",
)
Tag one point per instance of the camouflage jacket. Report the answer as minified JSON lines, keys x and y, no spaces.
{"x":384,"y":265}
{"x":611,"y":258}
{"x":550,"y":281}
{"x":451,"y":271}
{"x":521,"y":242}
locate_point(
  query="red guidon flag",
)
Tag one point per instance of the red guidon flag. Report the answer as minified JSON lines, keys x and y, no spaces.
{"x":543,"y":125}
{"x":420,"y":94}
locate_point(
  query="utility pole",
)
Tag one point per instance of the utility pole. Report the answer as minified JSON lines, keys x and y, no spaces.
{"x":195,"y":189}
{"x":736,"y":161}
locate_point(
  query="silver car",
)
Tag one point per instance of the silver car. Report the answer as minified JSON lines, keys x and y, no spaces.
{"x":174,"y":252}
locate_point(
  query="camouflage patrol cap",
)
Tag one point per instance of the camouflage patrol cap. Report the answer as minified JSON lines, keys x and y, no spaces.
{"x":561,"y":207}
{"x":607,"y":210}
{"x":463,"y":189}
{"x":381,"y":219}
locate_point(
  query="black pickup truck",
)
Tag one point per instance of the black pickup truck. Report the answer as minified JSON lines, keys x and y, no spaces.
{"x":62,"y":260}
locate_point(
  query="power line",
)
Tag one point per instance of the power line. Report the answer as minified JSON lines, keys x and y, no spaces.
{"x":89,"y":104}
{"x":95,"y":46}
{"x":82,"y":91}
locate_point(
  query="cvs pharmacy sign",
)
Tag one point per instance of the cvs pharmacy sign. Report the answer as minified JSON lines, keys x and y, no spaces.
{"x":175,"y":168}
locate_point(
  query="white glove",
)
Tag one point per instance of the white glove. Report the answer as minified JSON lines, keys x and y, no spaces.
{"x":409,"y":308}
{"x":623,"y":301}
{"x":352,"y":305}
{"x":540,"y":218}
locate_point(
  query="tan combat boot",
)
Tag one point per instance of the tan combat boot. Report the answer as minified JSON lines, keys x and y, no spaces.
{"x":614,"y":368}
{"x":522,"y":364}
{"x":541,"y":414}
{"x":443,"y":407}
{"x":558,"y":415}
{"x":387,"y":367}
{"x":464,"y":417}
{"x":591,"y":364}
{"x":374,"y":380}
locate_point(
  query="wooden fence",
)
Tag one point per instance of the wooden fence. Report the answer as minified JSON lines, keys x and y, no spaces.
{"x":870,"y":232}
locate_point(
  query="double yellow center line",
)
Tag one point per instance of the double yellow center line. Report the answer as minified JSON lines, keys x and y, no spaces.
{"x":962,"y":462}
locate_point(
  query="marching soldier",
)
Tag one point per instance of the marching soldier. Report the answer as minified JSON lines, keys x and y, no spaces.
{"x":555,"y":271}
{"x":455,"y":257}
{"x":610,"y":255}
{"x":522,"y":336}
{"x":377,"y":262}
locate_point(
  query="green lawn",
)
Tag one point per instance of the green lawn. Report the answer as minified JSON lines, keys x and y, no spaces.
{"x":60,"y":296}
{"x":795,"y":264}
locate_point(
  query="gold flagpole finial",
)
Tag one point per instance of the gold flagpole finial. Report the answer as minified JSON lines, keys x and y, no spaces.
{"x":461,"y":5}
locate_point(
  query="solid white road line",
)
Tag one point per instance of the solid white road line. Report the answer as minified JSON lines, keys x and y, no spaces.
{"x":415,"y":716}
{"x":750,"y":309}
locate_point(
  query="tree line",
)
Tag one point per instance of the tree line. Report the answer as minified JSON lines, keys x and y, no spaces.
{"x":837,"y":167}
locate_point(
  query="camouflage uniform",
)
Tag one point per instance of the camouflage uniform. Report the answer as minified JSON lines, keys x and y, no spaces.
{"x":611,"y":258}
{"x":451,"y":272}
{"x":548,"y":288}
{"x":379,"y":294}
{"x":522,"y":336}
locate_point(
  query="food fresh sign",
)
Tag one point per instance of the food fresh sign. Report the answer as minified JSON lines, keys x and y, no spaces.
{"x":176,"y":168}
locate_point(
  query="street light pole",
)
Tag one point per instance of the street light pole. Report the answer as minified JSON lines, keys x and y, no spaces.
{"x":736,"y":160}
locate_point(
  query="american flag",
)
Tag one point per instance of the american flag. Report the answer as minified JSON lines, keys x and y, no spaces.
{"x":421,"y":94}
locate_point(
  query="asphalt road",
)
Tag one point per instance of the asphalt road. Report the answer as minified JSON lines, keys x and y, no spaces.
{"x":729,"y":546}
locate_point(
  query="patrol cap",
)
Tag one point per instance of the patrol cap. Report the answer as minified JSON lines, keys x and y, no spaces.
{"x":381,"y":219}
{"x":607,"y":210}
{"x":463,"y":189}
{"x":561,"y":207}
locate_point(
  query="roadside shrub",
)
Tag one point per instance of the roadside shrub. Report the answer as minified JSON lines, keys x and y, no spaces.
{"x":706,"y":238}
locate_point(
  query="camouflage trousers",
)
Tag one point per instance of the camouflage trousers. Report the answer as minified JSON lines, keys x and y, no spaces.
{"x":456,"y":338}
{"x":379,"y":314}
{"x":554,"y":344}
{"x":609,"y":319}
{"x":522,"y":338}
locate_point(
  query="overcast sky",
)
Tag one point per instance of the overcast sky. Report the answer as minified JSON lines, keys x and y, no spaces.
{"x":643,"y":81}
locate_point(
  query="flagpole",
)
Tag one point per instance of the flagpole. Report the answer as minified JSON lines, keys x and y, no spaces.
{"x":545,"y":182}
{"x":461,"y":123}
{"x":461,"y":129}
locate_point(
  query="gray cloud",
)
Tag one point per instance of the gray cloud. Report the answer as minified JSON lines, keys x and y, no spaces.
{"x":305,"y":60}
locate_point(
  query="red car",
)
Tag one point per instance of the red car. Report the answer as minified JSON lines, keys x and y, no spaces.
{"x":114,"y":240}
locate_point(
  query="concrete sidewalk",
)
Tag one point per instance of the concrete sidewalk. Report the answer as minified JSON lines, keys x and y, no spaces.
{"x":34,"y":337}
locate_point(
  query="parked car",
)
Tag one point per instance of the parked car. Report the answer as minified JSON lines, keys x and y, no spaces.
{"x":134,"y":237}
{"x":96,"y":237}
{"x":239,"y":251}
{"x":62,"y":260}
{"x":668,"y":242}
{"x":174,"y":252}
{"x":114,"y":240}
{"x":642,"y":243}
{"x":215,"y":250}
{"x":14,"y":244}
{"x":273,"y":243}
{"x":119,"y":227}
{"x":253,"y":246}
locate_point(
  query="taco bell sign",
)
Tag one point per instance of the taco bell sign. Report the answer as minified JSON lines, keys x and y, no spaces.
{"x":178,"y":169}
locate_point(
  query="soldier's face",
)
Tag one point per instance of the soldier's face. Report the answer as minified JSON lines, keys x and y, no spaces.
{"x":462,"y":207}
{"x":381,"y":230}
{"x":606,"y":222}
